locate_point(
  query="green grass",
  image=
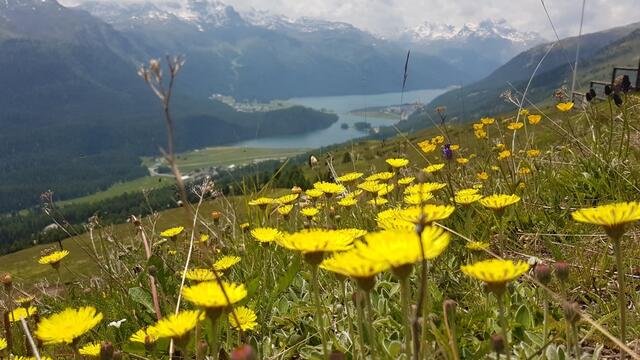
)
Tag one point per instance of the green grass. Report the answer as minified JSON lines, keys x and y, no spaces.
{"x":136,"y":185}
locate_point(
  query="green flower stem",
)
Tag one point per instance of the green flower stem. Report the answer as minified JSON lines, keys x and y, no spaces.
{"x":373,"y":340}
{"x":503,"y":324}
{"x":213,"y":335}
{"x":405,"y":297}
{"x":621,"y":292}
{"x":316,"y":298}
{"x":346,"y":307}
{"x":360,"y":309}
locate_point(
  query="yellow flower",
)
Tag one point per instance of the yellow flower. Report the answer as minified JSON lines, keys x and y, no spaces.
{"x":54,"y":258}
{"x":245,"y":226}
{"x":533,"y":153}
{"x":66,"y":326}
{"x":397,"y":248}
{"x":3,"y":344}
{"x":478,"y":126}
{"x":424,"y":188}
{"x":204,"y":238}
{"x":613,"y":217}
{"x":500,"y":146}
{"x":454,"y":147}
{"x":309,"y":212}
{"x":246,"y":317}
{"x":395,"y":224}
{"x":177,"y":326}
{"x":426,"y":214}
{"x":347,"y":201}
{"x":354,"y":233}
{"x":144,"y":336}
{"x":515,"y":126}
{"x":398,"y":162}
{"x":92,"y":349}
{"x":266,"y":234}
{"x":464,"y":192}
{"x":200,"y":275}
{"x":377,"y":201}
{"x":22,"y":312}
{"x":351,"y":264}
{"x":261,"y":202}
{"x":314,"y":193}
{"x":210,"y":295}
{"x":317,"y":240}
{"x":287,"y":199}
{"x":477,"y":245}
{"x":564,"y":106}
{"x":406,"y":180}
{"x":30,"y":358}
{"x":433,"y":168}
{"x":350,"y":177}
{"x":494,"y":168}
{"x":523,"y":112}
{"x":284,"y":210}
{"x":504,"y":154}
{"x":522,"y":185}
{"x":172,"y":252}
{"x":417,"y":198}
{"x":427,"y":146}
{"x":225,"y":262}
{"x":480,"y":134}
{"x":534,"y":119}
{"x":524,"y":170}
{"x":25,"y":300}
{"x":462,"y":160}
{"x":329,"y":188}
{"x":487,"y":120}
{"x":438,"y":139}
{"x":373,"y":187}
{"x":499,"y":201}
{"x":466,"y":199}
{"x":172,"y":232}
{"x":381,"y":176}
{"x":495,"y":271}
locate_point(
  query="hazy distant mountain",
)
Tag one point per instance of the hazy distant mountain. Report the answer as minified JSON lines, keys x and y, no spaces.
{"x":477,"y":48}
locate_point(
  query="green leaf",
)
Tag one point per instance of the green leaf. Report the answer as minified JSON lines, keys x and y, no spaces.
{"x":523,"y":316}
{"x":142,"y":297}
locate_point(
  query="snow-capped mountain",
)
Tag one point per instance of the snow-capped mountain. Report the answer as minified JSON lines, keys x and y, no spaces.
{"x":487,"y":29}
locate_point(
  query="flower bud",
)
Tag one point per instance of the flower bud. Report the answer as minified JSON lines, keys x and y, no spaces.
{"x":243,"y":352}
{"x":106,"y":350}
{"x":215,"y":215}
{"x":7,"y":280}
{"x":562,"y":270}
{"x":617,"y":99}
{"x":497,"y":343}
{"x":296,"y":190}
{"x":542,"y":273}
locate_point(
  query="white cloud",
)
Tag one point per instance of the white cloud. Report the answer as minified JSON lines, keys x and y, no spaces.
{"x":387,"y":16}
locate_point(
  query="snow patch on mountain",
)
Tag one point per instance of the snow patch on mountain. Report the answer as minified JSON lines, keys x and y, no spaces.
{"x":487,"y":29}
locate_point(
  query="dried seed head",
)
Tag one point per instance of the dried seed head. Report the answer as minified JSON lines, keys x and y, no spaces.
{"x":106,"y":350}
{"x":562,"y":270}
{"x":542,"y":273}
{"x":571,"y":311}
{"x":243,"y":352}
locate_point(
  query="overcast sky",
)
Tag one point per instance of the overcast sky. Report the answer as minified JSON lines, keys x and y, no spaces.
{"x":385,"y":16}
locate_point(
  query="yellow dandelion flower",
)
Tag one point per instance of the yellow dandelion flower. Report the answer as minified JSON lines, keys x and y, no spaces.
{"x":245,"y":226}
{"x":317,"y":240}
{"x":462,"y":160}
{"x":454,"y":147}
{"x":3,"y":344}
{"x":350,"y":177}
{"x":397,"y":162}
{"x":534,"y":119}
{"x":466,"y":199}
{"x":427,"y":146}
{"x":494,"y":168}
{"x":144,"y":336}
{"x":433,"y":168}
{"x":515,"y":126}
{"x":351,"y":264}
{"x":329,"y":188}
{"x":178,"y":326}
{"x":204,"y":238}
{"x":424,"y":188}
{"x":210,"y":295}
{"x":247,"y":318}
{"x":172,"y":232}
{"x":480,"y":134}
{"x":172,"y":252}
{"x":377,"y":201}
{"x":266,"y":234}
{"x":284,"y":210}
{"x":487,"y":120}
{"x":91,"y":350}
{"x":612,"y":217}
{"x":381,"y":176}
{"x":386,"y":189}
{"x":478,"y":126}
{"x":354,"y":233}
{"x":533,"y":153}
{"x":504,"y":154}
{"x":287,"y":199}
{"x":199,"y":275}
{"x":564,"y":106}
{"x":477,"y":245}
{"x":309,"y":212}
{"x":225,"y":262}
{"x":524,"y":171}
{"x":426,"y":214}
{"x":499,"y":201}
{"x":347,"y":201}
{"x":373,"y":187}
{"x":395,"y":224}
{"x":494,"y":271}
{"x":30,"y":358}
{"x":463,"y":192}
{"x":314,"y":193}
{"x":523,"y":112}
{"x":406,"y":180}
{"x":54,"y":258}
{"x":438,"y":139}
{"x":22,"y":312}
{"x":417,"y":198}
{"x":261,"y":202}
{"x":66,"y":326}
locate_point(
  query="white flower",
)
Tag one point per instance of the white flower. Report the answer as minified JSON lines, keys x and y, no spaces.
{"x":116,"y":324}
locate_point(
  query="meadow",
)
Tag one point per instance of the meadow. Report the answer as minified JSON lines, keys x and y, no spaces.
{"x":511,"y":237}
